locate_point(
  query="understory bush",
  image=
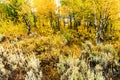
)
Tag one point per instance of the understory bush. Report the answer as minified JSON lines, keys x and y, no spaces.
{"x":99,"y":62}
{"x":53,"y":58}
{"x":16,"y":65}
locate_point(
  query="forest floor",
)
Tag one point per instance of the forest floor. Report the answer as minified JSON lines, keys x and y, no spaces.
{"x":50,"y":58}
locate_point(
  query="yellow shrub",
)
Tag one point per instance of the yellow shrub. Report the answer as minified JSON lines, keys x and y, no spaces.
{"x":8,"y":28}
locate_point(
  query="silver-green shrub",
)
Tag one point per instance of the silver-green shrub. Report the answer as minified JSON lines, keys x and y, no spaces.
{"x":17,"y":65}
{"x":98,"y":62}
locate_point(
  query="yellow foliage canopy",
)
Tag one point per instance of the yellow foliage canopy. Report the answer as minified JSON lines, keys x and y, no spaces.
{"x":44,"y":7}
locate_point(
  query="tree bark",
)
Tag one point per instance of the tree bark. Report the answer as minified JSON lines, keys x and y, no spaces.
{"x":70,"y":21}
{"x":51,"y":20}
{"x":27,"y":22}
